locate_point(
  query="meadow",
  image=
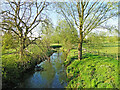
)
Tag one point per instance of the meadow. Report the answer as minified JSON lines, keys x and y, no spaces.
{"x":109,"y":49}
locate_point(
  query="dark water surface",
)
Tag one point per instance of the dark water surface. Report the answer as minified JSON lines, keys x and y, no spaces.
{"x":53,"y":76}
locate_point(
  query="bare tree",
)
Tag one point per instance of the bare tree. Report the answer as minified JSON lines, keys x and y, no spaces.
{"x":22,"y":17}
{"x":87,"y":15}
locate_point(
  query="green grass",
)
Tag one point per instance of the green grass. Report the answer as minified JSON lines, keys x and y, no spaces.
{"x":93,"y":71}
{"x":71,"y":56}
{"x":55,"y":45}
{"x":108,"y":48}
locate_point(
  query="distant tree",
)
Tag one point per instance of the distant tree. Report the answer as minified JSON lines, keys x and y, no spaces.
{"x":47,"y":31}
{"x":112,"y":39}
{"x":87,"y":15}
{"x":67,"y":35}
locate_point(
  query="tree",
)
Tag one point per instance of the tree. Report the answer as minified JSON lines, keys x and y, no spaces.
{"x":47,"y":30}
{"x":66,"y":35}
{"x":21,"y":18}
{"x":87,"y":15}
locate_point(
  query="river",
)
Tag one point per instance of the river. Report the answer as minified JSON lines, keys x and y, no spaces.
{"x":53,"y":75}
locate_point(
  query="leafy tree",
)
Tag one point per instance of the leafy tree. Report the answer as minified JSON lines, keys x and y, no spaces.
{"x":112,"y":39}
{"x":87,"y":15}
{"x":67,"y":35}
{"x":47,"y":31}
{"x":9,"y":41}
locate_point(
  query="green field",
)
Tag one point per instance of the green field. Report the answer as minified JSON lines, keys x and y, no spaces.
{"x":107,"y":48}
{"x":55,"y":45}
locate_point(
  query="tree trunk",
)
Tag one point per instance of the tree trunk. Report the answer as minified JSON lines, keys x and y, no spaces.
{"x":49,"y":59}
{"x":80,"y":47}
{"x":80,"y":51}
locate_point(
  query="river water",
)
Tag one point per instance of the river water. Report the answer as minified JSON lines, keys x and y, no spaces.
{"x":53,"y":76}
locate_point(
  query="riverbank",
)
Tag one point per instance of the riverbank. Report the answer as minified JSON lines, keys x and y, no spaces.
{"x":13,"y":70}
{"x":93,"y":71}
{"x":53,"y":75}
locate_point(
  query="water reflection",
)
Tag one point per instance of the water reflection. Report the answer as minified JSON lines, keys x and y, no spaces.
{"x":53,"y":76}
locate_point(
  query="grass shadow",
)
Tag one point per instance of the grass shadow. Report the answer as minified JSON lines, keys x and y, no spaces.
{"x":71,"y":60}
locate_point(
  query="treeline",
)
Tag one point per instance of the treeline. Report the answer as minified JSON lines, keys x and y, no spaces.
{"x":64,"y":34}
{"x":98,"y":40}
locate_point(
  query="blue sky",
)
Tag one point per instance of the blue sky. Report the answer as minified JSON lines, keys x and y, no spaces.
{"x":113,"y":21}
{"x":55,"y":17}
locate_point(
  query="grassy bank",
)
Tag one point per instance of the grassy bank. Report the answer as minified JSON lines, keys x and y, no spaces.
{"x":14,"y":69}
{"x":93,"y":71}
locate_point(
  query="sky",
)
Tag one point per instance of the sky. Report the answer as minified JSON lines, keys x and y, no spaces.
{"x":112,"y":21}
{"x":54,"y":18}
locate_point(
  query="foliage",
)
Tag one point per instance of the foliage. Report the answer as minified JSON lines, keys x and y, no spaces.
{"x":93,"y":72}
{"x":9,"y":41}
{"x":65,"y":34}
{"x":112,"y":39}
{"x":13,"y":68}
{"x":47,"y":32}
